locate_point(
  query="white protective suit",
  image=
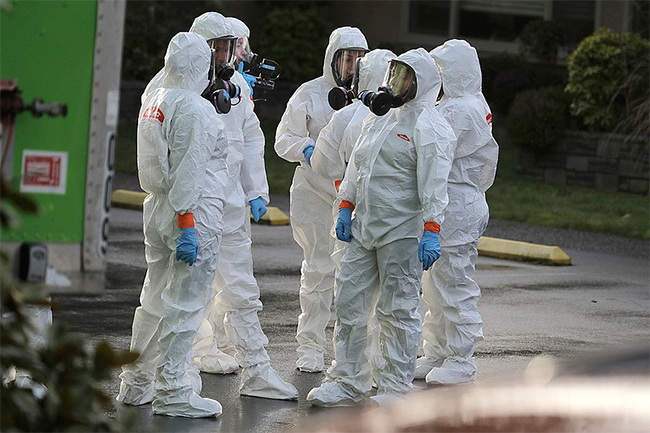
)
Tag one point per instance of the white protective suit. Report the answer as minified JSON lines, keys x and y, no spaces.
{"x":397,"y":179}
{"x":452,"y":325}
{"x":312,"y":198}
{"x":237,"y":294}
{"x":334,"y":148}
{"x":214,"y":349}
{"x":182,"y":165}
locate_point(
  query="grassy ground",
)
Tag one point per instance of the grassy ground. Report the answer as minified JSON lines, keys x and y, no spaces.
{"x":515,"y":198}
{"x":511,"y":198}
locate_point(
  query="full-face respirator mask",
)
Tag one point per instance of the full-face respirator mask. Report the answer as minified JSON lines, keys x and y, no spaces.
{"x":345,"y":69}
{"x":399,"y":87}
{"x":221,"y":91}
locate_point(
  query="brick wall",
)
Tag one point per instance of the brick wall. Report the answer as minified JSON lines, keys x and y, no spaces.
{"x":602,"y":161}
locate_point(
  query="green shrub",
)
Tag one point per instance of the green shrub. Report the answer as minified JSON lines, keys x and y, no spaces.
{"x":541,"y":40}
{"x":609,"y":79}
{"x":538,"y":117}
{"x":506,"y":75}
{"x":296,"y":38}
{"x":149,"y":25}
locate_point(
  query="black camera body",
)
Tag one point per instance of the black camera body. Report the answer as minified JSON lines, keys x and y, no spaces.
{"x":265,"y":71}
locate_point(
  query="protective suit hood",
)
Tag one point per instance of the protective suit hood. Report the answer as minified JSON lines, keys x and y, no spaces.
{"x":239,"y":29}
{"x":212,"y":25}
{"x":373,"y":68}
{"x":426,"y":74}
{"x":459,"y":67}
{"x":187,"y":63}
{"x":341,"y":38}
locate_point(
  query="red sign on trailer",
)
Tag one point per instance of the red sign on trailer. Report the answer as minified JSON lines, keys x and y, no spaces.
{"x":44,"y":172}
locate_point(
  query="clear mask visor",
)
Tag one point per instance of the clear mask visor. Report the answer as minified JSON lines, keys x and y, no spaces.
{"x":223,"y":51}
{"x":344,"y":65}
{"x":243,"y":51}
{"x":399,"y":79}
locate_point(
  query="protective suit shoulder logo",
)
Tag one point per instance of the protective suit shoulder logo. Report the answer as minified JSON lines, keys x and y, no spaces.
{"x":404,"y":137}
{"x":154,"y":113}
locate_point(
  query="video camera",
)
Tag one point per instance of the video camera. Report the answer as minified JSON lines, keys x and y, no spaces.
{"x":265,"y":71}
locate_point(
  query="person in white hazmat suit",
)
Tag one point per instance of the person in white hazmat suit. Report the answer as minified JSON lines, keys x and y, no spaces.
{"x":214,"y":349}
{"x":312,"y":195}
{"x":334,"y":148}
{"x":182,"y":165}
{"x":217,"y":30}
{"x":397,"y":184}
{"x":237,"y":293}
{"x":452,"y":325}
{"x":243,"y":52}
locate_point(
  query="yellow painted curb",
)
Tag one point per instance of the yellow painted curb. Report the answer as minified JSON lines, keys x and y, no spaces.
{"x":515,"y":250}
{"x":134,"y":200}
{"x":274,"y":217}
{"x":128,"y":199}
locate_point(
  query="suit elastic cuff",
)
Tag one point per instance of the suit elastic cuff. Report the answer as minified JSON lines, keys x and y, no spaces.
{"x":432,"y":227}
{"x":186,"y":220}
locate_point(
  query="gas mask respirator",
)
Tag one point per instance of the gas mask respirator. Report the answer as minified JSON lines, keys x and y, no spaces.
{"x":345,"y":69}
{"x":400,"y":86}
{"x":221,"y":91}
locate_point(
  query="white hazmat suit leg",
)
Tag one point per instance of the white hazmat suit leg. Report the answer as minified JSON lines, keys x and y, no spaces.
{"x":239,"y":300}
{"x":316,"y":276}
{"x":188,"y":292}
{"x":452,"y":296}
{"x":387,"y":277}
{"x":312,"y":198}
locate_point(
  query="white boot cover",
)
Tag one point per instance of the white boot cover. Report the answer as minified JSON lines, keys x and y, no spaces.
{"x":262,"y":381}
{"x":333,"y":394}
{"x":454,"y":371}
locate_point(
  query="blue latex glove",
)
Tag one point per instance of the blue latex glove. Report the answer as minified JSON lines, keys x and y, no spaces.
{"x":187,"y":247}
{"x":308,"y":152}
{"x":258,"y":208}
{"x":250,"y":80}
{"x":429,"y":249}
{"x":344,"y":224}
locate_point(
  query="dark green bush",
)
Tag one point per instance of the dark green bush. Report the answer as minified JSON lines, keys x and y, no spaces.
{"x":149,"y":26}
{"x":538,"y":118}
{"x":609,"y":80}
{"x":296,"y":38}
{"x":506,"y":75}
{"x":541,"y":40}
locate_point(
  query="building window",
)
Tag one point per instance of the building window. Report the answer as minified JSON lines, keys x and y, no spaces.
{"x":640,"y":14}
{"x":497,"y":20}
{"x":429,"y":17}
{"x":577,"y":15}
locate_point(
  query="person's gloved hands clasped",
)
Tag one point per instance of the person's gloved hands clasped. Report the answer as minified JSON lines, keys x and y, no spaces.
{"x":250,"y":80}
{"x":258,"y":208}
{"x":187,"y":247}
{"x":308,"y":152}
{"x":429,"y":248}
{"x":344,"y":223}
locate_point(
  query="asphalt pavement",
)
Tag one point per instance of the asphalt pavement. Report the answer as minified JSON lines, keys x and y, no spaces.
{"x":600,"y":304}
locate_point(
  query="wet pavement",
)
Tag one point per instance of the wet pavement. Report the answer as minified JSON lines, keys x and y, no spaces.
{"x":600,"y":304}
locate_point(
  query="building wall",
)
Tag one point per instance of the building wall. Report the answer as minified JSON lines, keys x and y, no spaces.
{"x":594,"y":160}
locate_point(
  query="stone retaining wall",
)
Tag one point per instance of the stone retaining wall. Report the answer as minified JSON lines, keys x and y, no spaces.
{"x":602,"y":161}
